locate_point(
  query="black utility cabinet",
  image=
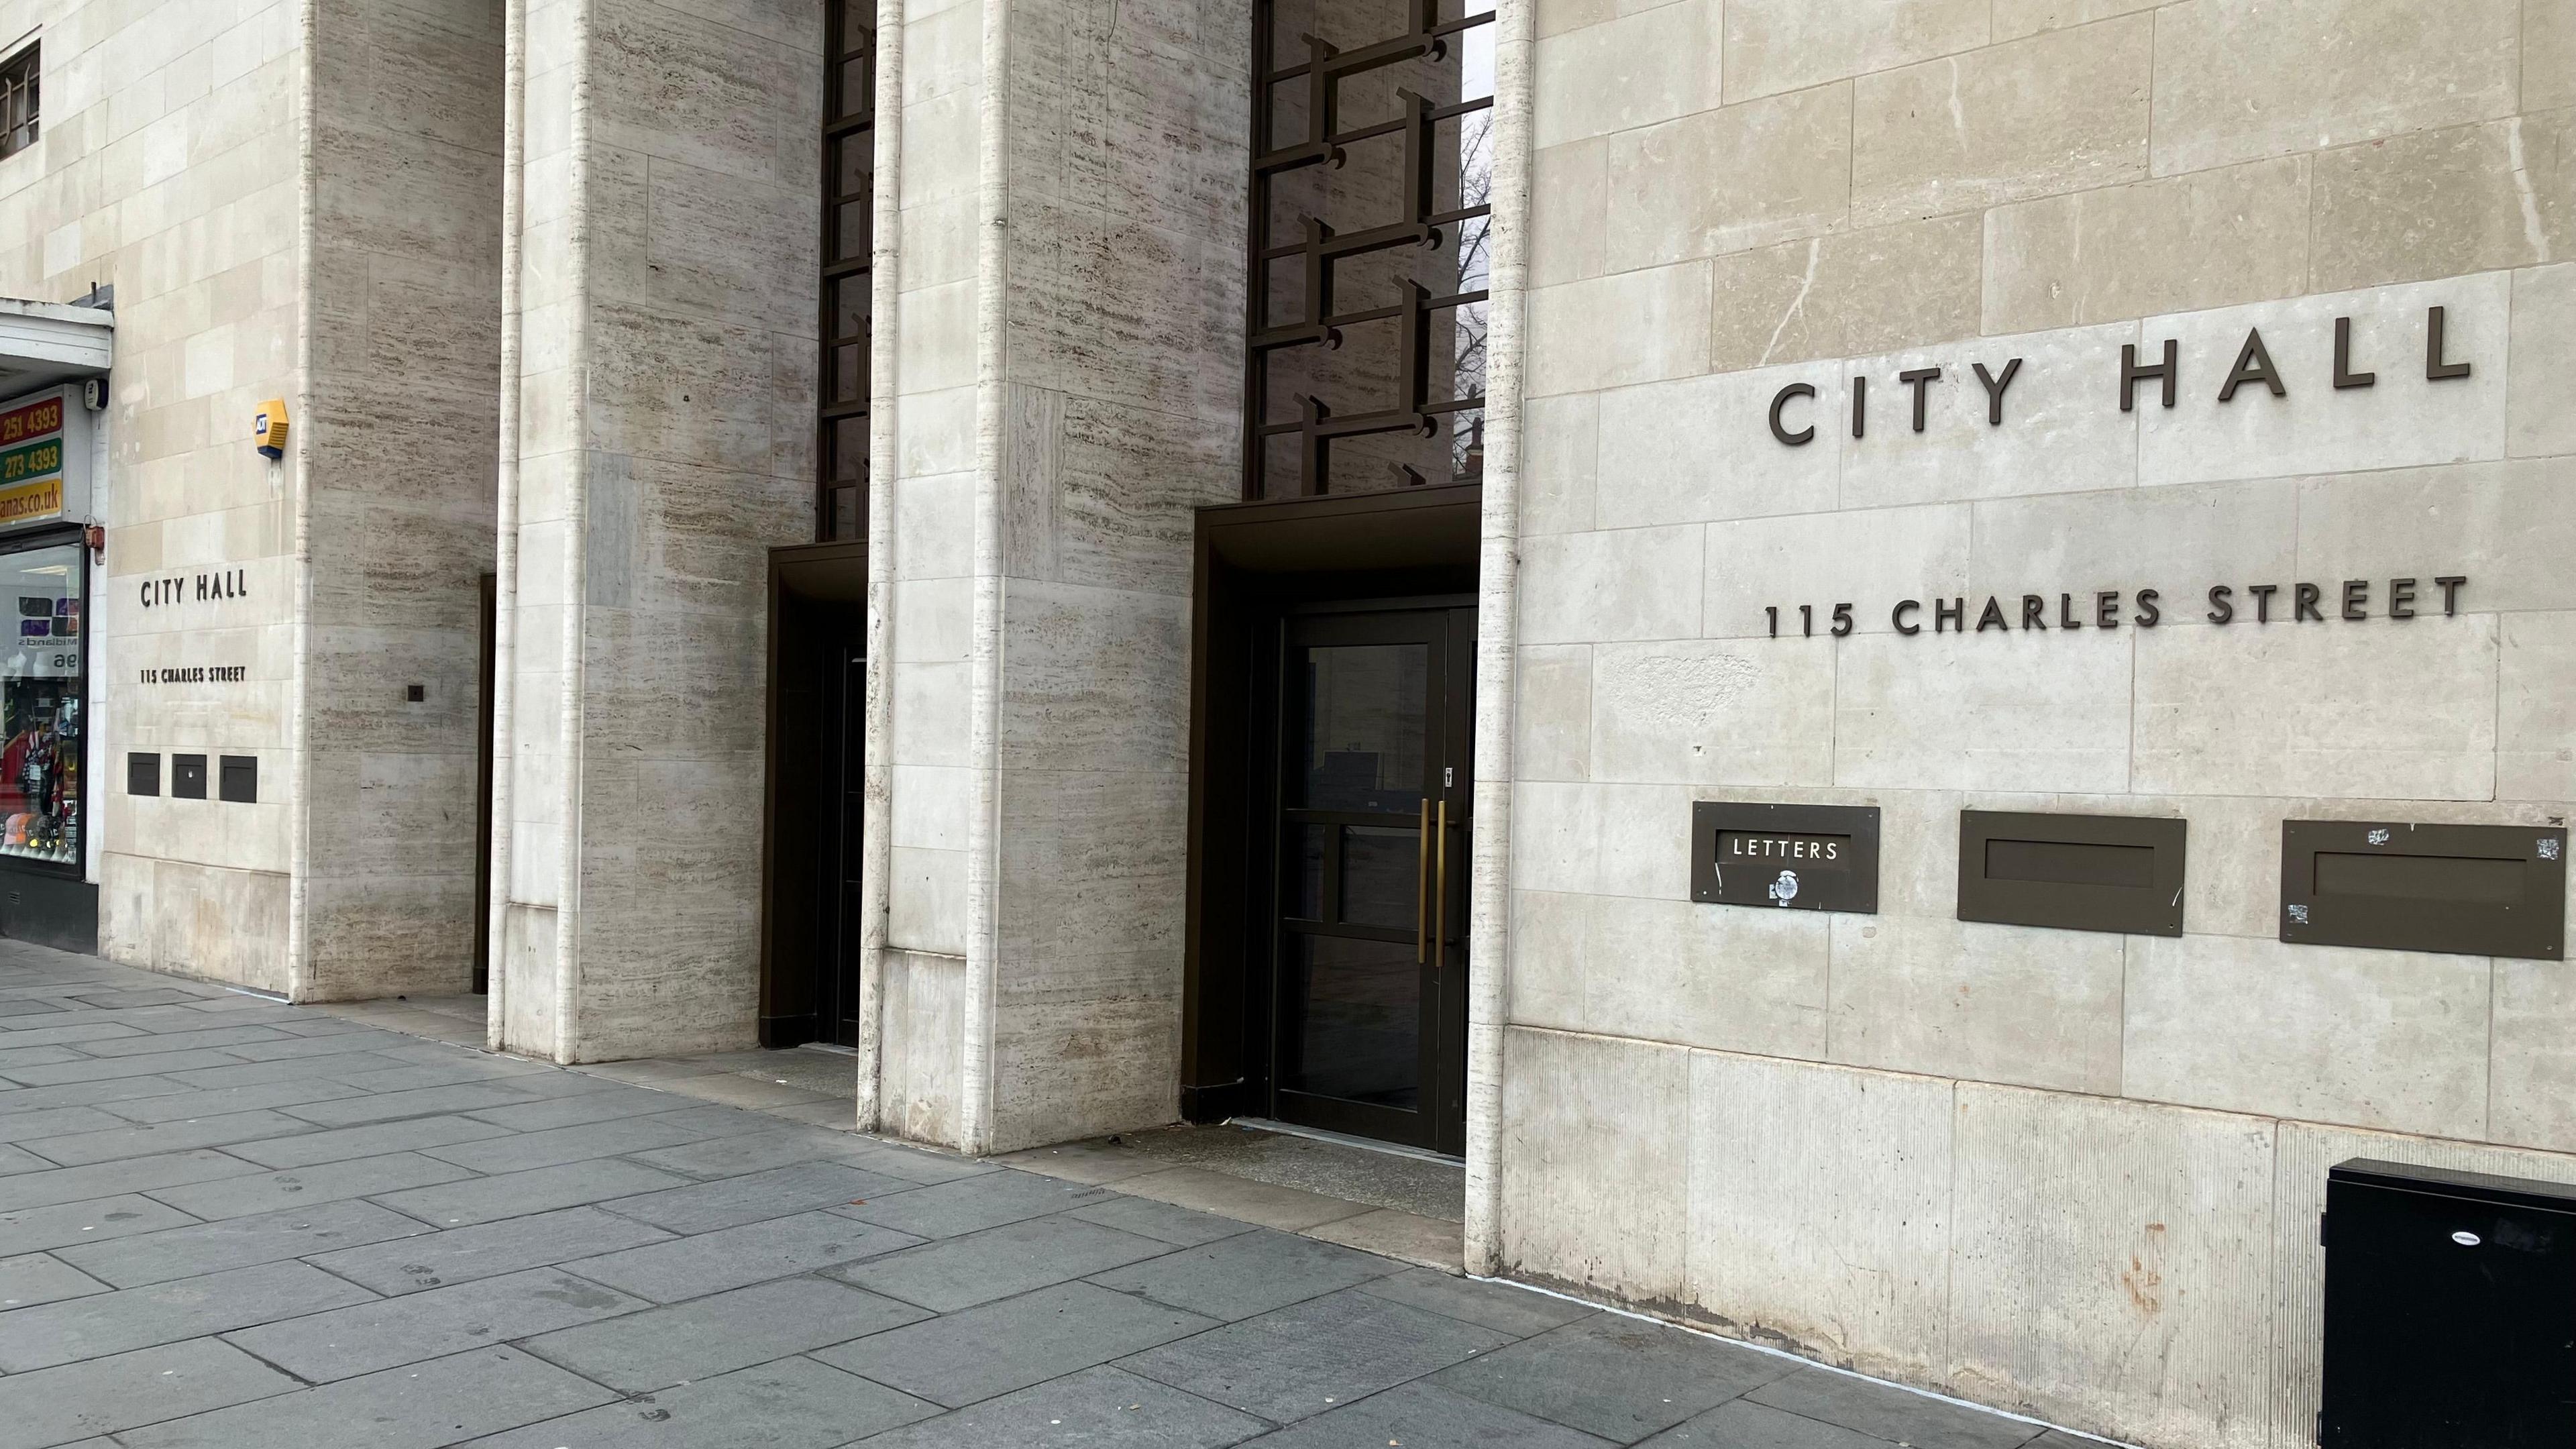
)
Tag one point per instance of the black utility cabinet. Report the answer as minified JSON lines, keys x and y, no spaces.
{"x":2450,"y":1310}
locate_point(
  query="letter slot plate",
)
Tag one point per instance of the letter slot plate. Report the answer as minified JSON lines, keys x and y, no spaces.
{"x":2073,"y":872}
{"x":2475,"y":890}
{"x":1801,"y":857}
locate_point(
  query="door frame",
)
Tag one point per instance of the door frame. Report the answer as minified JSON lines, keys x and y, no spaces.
{"x":1254,"y":562}
{"x":837,"y":571}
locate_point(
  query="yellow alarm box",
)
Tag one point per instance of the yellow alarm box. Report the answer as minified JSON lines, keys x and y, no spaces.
{"x":270,"y":429}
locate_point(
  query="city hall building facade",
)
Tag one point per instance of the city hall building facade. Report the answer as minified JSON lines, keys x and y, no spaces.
{"x":1898,"y":661}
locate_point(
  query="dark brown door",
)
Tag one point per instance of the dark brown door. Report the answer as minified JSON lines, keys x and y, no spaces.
{"x":837,"y":990}
{"x":1370,"y":969}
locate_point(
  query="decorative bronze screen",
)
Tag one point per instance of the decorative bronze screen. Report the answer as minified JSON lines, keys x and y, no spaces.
{"x":1371,"y":175}
{"x":849,"y":232}
{"x":18,"y":75}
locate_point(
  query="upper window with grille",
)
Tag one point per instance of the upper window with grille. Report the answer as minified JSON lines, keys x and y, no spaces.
{"x":18,"y":102}
{"x":849,"y":199}
{"x":1373,"y":159}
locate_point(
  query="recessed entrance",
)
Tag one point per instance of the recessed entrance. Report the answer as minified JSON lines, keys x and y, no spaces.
{"x":1368,"y":969}
{"x":1331,"y":746}
{"x":817,"y":763}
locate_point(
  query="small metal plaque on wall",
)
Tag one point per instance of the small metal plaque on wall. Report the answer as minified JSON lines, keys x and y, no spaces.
{"x":1802,"y":857}
{"x":2471,"y":890}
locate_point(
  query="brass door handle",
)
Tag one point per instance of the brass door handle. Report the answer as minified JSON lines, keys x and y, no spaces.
{"x":1422,"y":888}
{"x":1440,"y":886}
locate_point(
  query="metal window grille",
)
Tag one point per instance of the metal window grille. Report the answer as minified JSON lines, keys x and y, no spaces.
{"x":18,"y":75}
{"x":849,"y":214}
{"x":1372,"y":165}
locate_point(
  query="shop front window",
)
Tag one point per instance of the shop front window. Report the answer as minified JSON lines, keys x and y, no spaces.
{"x":40,"y":705}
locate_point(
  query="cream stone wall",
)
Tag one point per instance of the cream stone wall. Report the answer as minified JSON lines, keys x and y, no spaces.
{"x":2066,"y":1173}
{"x":167,"y":166}
{"x":173,"y":166}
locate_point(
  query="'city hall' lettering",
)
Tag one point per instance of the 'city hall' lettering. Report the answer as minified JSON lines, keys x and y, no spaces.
{"x":2253,"y":367}
{"x":222,"y":584}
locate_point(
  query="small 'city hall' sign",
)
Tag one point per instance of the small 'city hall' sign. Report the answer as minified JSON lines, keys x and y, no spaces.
{"x":1798,"y":857}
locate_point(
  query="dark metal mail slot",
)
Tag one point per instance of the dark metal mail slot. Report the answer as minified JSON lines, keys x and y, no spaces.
{"x":2473,"y":890}
{"x":2073,"y":872}
{"x":1803,"y":857}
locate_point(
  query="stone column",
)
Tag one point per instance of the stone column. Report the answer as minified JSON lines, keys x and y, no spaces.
{"x":668,"y":284}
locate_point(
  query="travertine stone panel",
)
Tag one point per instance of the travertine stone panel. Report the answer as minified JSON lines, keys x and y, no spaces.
{"x":1859,"y":556}
{"x":2543,"y":351}
{"x":1569,"y":211}
{"x":1998,"y":711}
{"x":1756,"y":712}
{"x":2178,"y":539}
{"x":2239,"y":82}
{"x":2057,"y":435}
{"x":2376,"y":709}
{"x":2017,"y":18}
{"x":2299,"y":1261}
{"x":1560,"y":444}
{"x":1988,"y":1003}
{"x":2532,"y":1079}
{"x":2062,"y":111}
{"x":1555,"y":17}
{"x":1554,"y":717}
{"x":2387,"y":1039}
{"x":1740,"y":176}
{"x":1655,"y":468}
{"x":1636,"y":583}
{"x":1595,"y":1162}
{"x":2548,"y":54}
{"x":1612,"y":331}
{"x":2535,"y":700}
{"x":927,"y":904}
{"x":1785,"y":45}
{"x":1670,"y":971}
{"x":1090,"y":677}
{"x":2499,"y":524}
{"x":1848,"y":293}
{"x":2142,"y":1236}
{"x":2437,"y":203}
{"x":919,"y":1070}
{"x":2402,"y":421}
{"x":2209,"y":239}
{"x":1615,"y":840}
{"x":1820,"y":1209}
{"x":1633,"y":71}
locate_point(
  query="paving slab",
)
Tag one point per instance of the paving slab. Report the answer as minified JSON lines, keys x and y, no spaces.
{"x":240,"y":1073}
{"x":1744,"y":1424}
{"x":329,"y":1182}
{"x":736,"y":1152}
{"x":473,"y":1200}
{"x":509,"y":1151}
{"x":1886,"y":1412}
{"x":347,"y":1342}
{"x":58,"y":1225}
{"x":177,"y":1102}
{"x":88,"y":1094}
{"x":107,"y":1179}
{"x":212,"y":1036}
{"x":1241,"y":1276}
{"x":463,"y":1255}
{"x":340,"y":1144}
{"x":1616,"y":1377}
{"x":792,"y":1403}
{"x":709,"y":1336}
{"x":712,"y":1262}
{"x":383,"y":1106}
{"x":1181,"y":1227}
{"x":107,"y":1395}
{"x":1498,"y":1306}
{"x":415,"y":1407}
{"x":144,"y":1139}
{"x":961,"y":1272}
{"x":962,"y":1358}
{"x":537,"y":1114}
{"x":727,"y":1202}
{"x":33,"y":1278}
{"x":1304,"y":1359}
{"x":130,"y":1318}
{"x":1425,"y":1416}
{"x":968,"y":1205}
{"x":1098,"y":1406}
{"x":270,"y":1237}
{"x":92,"y":1069}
